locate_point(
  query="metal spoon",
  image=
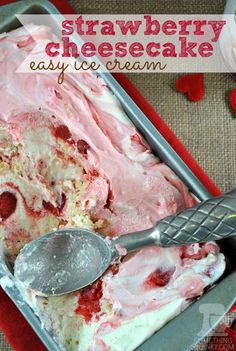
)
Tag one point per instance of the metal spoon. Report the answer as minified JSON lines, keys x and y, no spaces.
{"x":70,"y":259}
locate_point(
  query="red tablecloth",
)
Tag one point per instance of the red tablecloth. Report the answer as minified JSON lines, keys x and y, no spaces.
{"x":18,"y":332}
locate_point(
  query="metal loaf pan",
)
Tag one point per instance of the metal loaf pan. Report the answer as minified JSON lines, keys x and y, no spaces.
{"x":182,"y":330}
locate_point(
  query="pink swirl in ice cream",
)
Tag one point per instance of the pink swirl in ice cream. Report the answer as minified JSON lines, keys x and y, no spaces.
{"x":71,"y":157}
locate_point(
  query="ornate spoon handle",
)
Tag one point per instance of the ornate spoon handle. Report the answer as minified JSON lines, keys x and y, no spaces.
{"x":213,"y":219}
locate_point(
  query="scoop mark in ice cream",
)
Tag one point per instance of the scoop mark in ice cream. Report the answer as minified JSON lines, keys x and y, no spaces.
{"x":89,"y":301}
{"x":8,"y":203}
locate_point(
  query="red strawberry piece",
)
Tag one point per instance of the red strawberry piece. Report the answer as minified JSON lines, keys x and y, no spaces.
{"x":110,"y":199}
{"x":89,"y":301}
{"x":56,"y":211}
{"x":192,"y":85}
{"x":63,"y":132}
{"x":82,"y":146}
{"x":58,"y":94}
{"x":158,"y":278}
{"x":7,"y":204}
{"x":115,"y":269}
{"x":232,"y":99}
{"x":25,"y":42}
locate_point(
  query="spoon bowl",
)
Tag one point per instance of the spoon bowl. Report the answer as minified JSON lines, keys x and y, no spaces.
{"x":50,"y":264}
{"x":69,"y":259}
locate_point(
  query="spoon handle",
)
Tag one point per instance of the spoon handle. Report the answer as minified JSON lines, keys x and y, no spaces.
{"x":213,"y":219}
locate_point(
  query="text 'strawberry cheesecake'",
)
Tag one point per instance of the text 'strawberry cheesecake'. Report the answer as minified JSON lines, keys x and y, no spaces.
{"x":71,"y":157}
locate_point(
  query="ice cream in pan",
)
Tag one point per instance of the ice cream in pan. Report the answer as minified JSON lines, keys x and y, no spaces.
{"x":71,"y":157}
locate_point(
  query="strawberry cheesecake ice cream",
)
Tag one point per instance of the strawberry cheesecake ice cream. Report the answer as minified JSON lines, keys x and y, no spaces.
{"x":70,"y":157}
